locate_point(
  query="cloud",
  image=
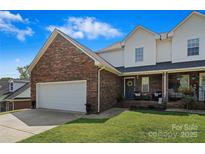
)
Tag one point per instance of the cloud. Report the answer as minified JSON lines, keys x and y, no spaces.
{"x":17,"y":60}
{"x":7,"y":20}
{"x":11,"y":17}
{"x":88,"y":27}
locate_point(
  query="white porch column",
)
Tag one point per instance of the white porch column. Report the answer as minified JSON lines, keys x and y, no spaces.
{"x":7,"y":106}
{"x":165,"y":86}
{"x":13,"y":105}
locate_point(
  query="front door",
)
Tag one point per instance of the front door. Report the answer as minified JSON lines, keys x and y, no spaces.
{"x":129,"y":88}
{"x":202,"y":87}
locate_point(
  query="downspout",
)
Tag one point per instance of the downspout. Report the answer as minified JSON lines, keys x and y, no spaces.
{"x":99,"y":70}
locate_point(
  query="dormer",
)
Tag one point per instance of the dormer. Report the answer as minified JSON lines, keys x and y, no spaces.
{"x":15,"y":84}
{"x":11,"y":86}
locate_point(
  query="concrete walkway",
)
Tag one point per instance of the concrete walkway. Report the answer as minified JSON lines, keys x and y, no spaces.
{"x":23,"y":124}
{"x":187,"y":111}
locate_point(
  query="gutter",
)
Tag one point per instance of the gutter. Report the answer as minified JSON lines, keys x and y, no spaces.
{"x":165,"y":70}
{"x":17,"y":100}
{"x":99,"y":70}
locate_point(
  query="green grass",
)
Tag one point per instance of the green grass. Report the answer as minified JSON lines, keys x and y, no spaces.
{"x":129,"y":126}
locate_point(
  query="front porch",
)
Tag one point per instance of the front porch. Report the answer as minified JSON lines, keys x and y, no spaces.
{"x":165,"y":89}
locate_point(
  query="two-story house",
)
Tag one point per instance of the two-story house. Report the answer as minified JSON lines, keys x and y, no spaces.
{"x":14,"y":94}
{"x":144,"y":66}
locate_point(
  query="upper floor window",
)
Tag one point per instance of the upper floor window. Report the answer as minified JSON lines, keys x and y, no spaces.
{"x":193,"y":47}
{"x":139,"y":54}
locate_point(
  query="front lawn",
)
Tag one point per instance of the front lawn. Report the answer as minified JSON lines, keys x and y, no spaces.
{"x":130,"y":126}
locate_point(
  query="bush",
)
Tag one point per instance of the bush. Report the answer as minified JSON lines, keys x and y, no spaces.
{"x":189,"y":101}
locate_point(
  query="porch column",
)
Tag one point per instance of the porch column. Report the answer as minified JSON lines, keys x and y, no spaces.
{"x":13,"y":105}
{"x":7,"y":106}
{"x":165,"y":86}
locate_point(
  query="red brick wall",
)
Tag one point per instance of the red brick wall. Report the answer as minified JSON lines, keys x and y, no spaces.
{"x":181,"y":105}
{"x":110,"y":87}
{"x":155,"y":82}
{"x":63,"y":62}
{"x":22,"y":105}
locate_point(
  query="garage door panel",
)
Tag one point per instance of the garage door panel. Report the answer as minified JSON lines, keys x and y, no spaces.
{"x":62,"y":96}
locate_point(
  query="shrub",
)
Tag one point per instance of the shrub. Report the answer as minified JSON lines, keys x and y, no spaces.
{"x":189,"y":101}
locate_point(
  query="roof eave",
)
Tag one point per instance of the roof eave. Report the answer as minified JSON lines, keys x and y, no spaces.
{"x":44,"y":48}
{"x":165,"y":70}
{"x":171,"y":33}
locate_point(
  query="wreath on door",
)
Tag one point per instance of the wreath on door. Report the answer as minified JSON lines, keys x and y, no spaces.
{"x":129,"y":83}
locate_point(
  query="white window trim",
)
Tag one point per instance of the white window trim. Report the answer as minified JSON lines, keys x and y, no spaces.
{"x":142,"y":85}
{"x":188,"y":79}
{"x":142,"y":54}
{"x":192,"y":47}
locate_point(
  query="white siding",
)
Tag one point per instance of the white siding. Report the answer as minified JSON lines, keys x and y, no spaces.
{"x":24,"y":94}
{"x":140,"y":39}
{"x":164,"y":50}
{"x":115,"y":57}
{"x":17,"y":85}
{"x":193,"y":28}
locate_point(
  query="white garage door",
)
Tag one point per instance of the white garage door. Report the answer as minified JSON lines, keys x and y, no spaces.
{"x":70,"y":95}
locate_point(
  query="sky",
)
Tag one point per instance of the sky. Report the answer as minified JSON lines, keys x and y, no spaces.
{"x":23,"y":33}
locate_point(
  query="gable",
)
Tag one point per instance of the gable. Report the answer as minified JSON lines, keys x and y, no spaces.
{"x":98,"y":61}
{"x":195,"y":22}
{"x":140,"y":28}
{"x":140,"y":35}
{"x":61,"y":55}
{"x":140,"y":39}
{"x":193,"y":28}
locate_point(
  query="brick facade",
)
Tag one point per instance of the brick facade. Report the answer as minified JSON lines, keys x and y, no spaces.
{"x":22,"y":105}
{"x":64,"y":62}
{"x":111,"y":88}
{"x":155,"y":82}
{"x":193,"y":79}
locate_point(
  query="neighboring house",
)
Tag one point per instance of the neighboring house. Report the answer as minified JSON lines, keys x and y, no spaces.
{"x":14,"y":94}
{"x":66,"y":75}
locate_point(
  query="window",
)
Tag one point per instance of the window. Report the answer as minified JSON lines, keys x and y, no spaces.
{"x":184,"y":82}
{"x":145,"y":84}
{"x":138,"y":54}
{"x":193,"y":47}
{"x":11,"y":86}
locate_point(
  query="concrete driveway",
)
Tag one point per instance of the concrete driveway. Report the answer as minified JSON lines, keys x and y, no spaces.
{"x":23,"y":124}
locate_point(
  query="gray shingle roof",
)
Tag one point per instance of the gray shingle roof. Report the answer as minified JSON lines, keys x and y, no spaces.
{"x":4,"y":86}
{"x":163,"y":66}
{"x":18,"y":91}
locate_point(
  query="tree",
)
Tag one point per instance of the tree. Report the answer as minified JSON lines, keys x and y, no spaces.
{"x":23,"y":71}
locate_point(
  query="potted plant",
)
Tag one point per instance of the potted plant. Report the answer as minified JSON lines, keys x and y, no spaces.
{"x":119,"y":98}
{"x":88,"y":108}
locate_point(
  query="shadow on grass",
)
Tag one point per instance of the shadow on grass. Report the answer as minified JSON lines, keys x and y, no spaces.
{"x":162,"y":112}
{"x":87,"y":121}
